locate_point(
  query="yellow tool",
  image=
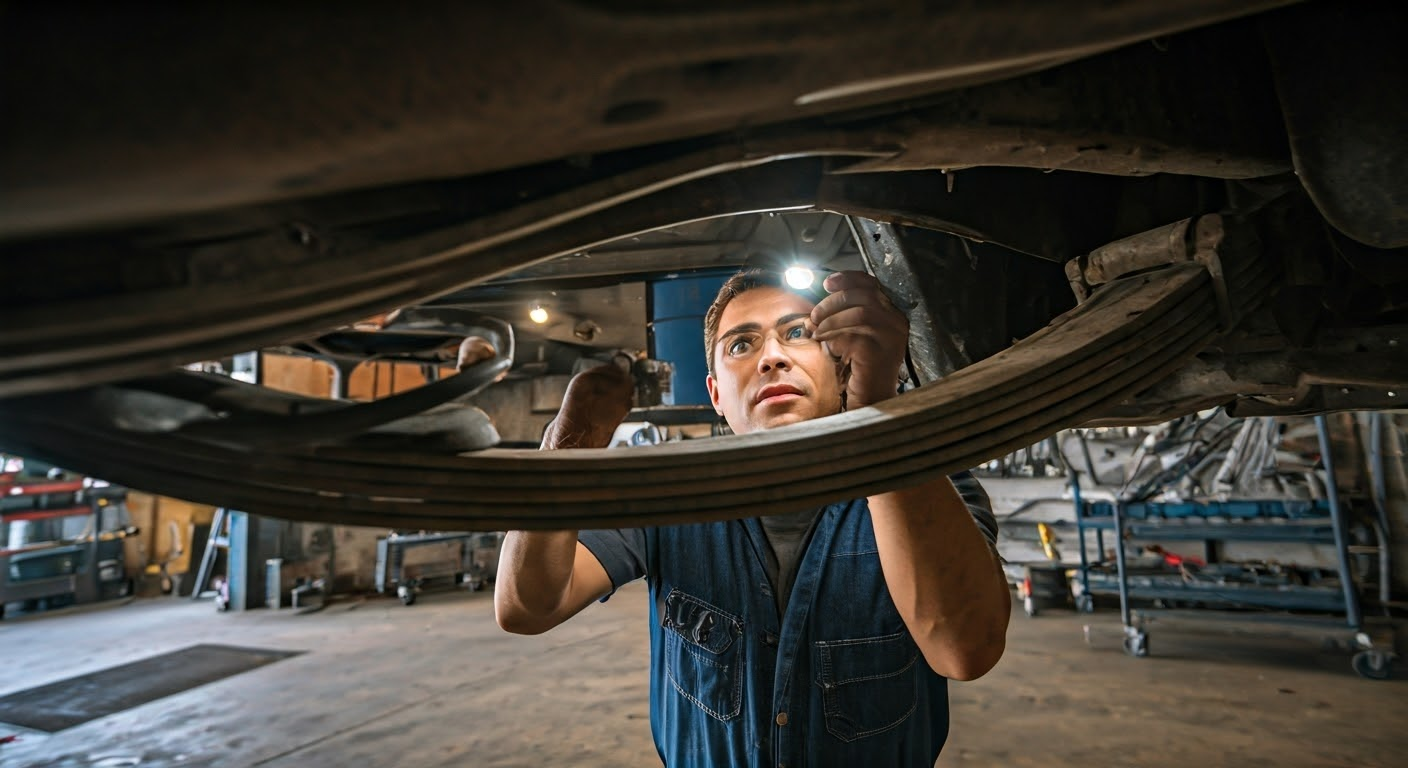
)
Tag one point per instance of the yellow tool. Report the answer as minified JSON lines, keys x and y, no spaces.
{"x":1048,"y":542}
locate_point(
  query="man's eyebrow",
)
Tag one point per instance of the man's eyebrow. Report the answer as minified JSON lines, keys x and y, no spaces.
{"x":740,"y":328}
{"x":788,"y":319}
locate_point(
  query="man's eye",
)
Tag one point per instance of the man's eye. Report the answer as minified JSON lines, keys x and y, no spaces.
{"x":797,"y":333}
{"x":738,"y":347}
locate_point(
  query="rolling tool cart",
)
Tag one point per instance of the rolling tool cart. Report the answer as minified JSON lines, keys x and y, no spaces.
{"x":1309,"y":601}
{"x":474,"y":564}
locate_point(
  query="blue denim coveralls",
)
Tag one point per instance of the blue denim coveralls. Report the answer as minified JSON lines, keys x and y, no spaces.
{"x":836,"y":681}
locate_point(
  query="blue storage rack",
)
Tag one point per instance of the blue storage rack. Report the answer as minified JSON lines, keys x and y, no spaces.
{"x":1221,"y":585}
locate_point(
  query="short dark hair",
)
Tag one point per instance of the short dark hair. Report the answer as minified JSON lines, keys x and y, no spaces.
{"x":742,"y":282}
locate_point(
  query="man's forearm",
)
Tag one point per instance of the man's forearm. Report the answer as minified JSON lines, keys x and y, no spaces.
{"x":943,"y":577}
{"x":545,"y":577}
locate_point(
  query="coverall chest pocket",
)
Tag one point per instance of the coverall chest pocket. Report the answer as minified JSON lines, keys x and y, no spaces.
{"x":868,"y":685}
{"x":704,"y":654}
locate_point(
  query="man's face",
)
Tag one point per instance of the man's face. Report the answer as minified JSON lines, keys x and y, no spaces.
{"x":767,"y":369}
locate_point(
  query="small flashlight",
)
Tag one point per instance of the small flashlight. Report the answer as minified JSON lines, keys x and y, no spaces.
{"x":800,"y":278}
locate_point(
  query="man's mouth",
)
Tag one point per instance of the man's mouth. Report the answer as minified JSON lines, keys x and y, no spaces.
{"x":776,"y":392}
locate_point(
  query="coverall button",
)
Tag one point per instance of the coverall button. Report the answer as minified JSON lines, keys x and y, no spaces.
{"x":782,"y":718}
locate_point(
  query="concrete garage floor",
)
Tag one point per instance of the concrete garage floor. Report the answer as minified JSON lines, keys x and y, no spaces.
{"x":437,"y":684}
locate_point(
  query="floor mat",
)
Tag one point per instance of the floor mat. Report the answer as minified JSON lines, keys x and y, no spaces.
{"x":77,"y":700}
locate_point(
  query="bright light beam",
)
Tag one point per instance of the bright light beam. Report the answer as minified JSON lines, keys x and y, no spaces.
{"x":800,"y":278}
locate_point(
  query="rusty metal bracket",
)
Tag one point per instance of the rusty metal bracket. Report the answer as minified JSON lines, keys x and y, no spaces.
{"x":1194,"y":240}
{"x":1208,"y":234}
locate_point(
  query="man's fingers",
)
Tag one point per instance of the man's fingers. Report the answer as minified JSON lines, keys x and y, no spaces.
{"x":851,"y":297}
{"x":604,"y":381}
{"x":841,"y":281}
{"x":863,"y":320}
{"x":860,"y":326}
{"x":596,"y":401}
{"x":474,"y":349}
{"x":605,"y":386}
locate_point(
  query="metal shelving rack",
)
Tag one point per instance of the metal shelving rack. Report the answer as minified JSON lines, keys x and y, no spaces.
{"x":1330,"y":611}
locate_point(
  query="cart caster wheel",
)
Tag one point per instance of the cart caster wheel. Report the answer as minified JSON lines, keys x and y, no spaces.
{"x":1137,"y":645}
{"x":1029,"y":606}
{"x":476,"y":585}
{"x":407,"y":595}
{"x":1372,"y":665}
{"x":1085,"y":604}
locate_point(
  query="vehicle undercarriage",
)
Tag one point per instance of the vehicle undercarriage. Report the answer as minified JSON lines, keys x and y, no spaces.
{"x":1173,"y":205}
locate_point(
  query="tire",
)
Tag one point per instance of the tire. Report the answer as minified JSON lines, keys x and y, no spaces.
{"x":407,"y":595}
{"x":1372,"y":665}
{"x":1137,"y":645}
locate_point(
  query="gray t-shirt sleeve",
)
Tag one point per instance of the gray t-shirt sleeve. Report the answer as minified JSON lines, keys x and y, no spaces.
{"x":979,"y":505}
{"x":621,"y":551}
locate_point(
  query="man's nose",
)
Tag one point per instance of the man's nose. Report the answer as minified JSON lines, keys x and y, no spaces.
{"x":774,"y":355}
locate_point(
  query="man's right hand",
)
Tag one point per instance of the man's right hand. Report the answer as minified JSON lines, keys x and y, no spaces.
{"x":596,"y":402}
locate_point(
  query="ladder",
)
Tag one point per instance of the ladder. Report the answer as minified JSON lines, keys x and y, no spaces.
{"x":219,"y":539}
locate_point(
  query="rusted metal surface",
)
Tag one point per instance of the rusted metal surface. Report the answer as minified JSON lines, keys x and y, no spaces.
{"x":1195,"y":240}
{"x":959,"y":287}
{"x":1342,"y":77}
{"x":1152,"y":113}
{"x":1053,"y":216}
{"x":935,"y":350}
{"x":271,"y":289}
{"x":220,"y":289}
{"x":1147,"y":250}
{"x":117,"y":116}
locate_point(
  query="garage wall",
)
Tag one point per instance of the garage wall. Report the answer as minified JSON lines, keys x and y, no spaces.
{"x":170,"y":530}
{"x":369,"y":381}
{"x":522,"y":408}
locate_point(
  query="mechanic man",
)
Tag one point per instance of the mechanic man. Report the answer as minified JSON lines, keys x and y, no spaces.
{"x":823,"y":637}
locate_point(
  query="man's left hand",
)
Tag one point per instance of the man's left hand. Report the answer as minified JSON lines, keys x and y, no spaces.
{"x":859,"y":326}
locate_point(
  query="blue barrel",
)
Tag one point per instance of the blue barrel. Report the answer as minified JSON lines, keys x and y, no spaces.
{"x":677,"y":310}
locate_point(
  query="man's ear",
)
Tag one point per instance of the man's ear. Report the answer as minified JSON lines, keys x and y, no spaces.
{"x":713,"y":393}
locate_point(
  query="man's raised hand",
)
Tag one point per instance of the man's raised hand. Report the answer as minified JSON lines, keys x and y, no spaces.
{"x":859,"y":325}
{"x":596,"y":402}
